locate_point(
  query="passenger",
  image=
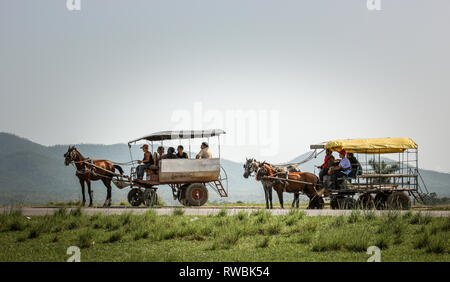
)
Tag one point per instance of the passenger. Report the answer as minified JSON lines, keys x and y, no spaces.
{"x":170,"y":154}
{"x":145,"y":163}
{"x":327,"y":163}
{"x":157,"y":156}
{"x":343,"y":169}
{"x":181,"y":154}
{"x":205,"y":152}
{"x":356,"y":166}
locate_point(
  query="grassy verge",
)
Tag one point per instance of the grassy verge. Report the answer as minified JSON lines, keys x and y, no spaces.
{"x":241,"y":237}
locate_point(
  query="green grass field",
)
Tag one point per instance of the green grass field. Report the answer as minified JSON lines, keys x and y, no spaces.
{"x":242,"y":237}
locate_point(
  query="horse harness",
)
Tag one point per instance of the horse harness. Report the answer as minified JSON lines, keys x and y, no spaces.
{"x":88,"y":167}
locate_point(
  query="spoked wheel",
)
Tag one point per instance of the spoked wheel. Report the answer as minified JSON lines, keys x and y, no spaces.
{"x":380,"y":201}
{"x":343,"y":203}
{"x":366,"y":201}
{"x":349,"y":203}
{"x":316,"y":203}
{"x":196,"y":194}
{"x":398,"y":201}
{"x":184,"y":202}
{"x":135,"y":197}
{"x":150,"y":197}
{"x":334,"y":203}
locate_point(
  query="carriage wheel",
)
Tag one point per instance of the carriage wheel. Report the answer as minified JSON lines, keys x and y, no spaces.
{"x":135,"y":197}
{"x":398,"y":201}
{"x":346,"y":203}
{"x":316,"y":203}
{"x":150,"y":197}
{"x":196,"y":194}
{"x":366,"y":201}
{"x":334,"y":203}
{"x":184,"y":202}
{"x":380,"y":200}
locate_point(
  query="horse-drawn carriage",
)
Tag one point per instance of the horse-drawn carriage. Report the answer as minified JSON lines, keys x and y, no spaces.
{"x":389,"y":176}
{"x":188,"y":178}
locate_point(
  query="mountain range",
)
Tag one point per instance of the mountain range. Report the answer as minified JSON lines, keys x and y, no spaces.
{"x":31,"y":173}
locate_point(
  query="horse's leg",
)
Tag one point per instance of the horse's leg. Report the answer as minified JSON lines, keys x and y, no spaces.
{"x":270,"y":195}
{"x":311,"y":203}
{"x":295,"y":201}
{"x":89,"y":192}
{"x":280,"y":197}
{"x":82,"y":191}
{"x":108,"y":200}
{"x":266,"y":195}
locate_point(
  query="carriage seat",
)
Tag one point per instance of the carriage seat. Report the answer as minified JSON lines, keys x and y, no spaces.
{"x":351,"y":176}
{"x":152,"y":172}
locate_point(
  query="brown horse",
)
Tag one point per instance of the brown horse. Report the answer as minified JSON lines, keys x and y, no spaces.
{"x":251,"y":166}
{"x":91,"y":170}
{"x":307,"y":185}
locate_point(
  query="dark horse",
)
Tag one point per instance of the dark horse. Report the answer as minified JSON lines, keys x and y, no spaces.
{"x":251,"y":166}
{"x":307,"y":184}
{"x":91,"y":170}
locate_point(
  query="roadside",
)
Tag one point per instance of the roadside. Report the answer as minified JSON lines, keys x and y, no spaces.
{"x":205,"y":211}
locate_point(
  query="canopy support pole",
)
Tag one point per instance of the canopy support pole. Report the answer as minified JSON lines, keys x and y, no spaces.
{"x":218,"y":138}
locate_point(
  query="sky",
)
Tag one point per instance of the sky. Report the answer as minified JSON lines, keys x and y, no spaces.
{"x":277,"y":76}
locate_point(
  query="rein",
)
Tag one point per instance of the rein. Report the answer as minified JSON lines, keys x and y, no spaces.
{"x":89,"y":170}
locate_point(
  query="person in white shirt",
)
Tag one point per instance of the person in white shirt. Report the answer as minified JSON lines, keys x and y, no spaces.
{"x":205,"y":152}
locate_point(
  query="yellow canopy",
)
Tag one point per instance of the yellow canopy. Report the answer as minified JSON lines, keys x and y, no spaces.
{"x":372,"y":146}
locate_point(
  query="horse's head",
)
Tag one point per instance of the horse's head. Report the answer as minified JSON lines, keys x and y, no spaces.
{"x":70,"y":155}
{"x":250,"y":167}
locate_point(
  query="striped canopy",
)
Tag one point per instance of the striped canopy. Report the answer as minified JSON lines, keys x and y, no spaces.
{"x":180,"y":134}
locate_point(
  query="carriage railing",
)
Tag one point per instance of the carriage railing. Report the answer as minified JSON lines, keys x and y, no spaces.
{"x":382,"y":171}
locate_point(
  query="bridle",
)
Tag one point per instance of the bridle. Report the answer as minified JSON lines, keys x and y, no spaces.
{"x":252,"y":167}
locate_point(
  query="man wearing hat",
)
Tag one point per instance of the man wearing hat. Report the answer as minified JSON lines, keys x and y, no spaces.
{"x":327,"y":163}
{"x":205,"y":152}
{"x":342,"y":170}
{"x":145,"y":163}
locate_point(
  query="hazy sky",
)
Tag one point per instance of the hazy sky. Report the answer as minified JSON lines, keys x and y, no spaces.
{"x":117,"y":70}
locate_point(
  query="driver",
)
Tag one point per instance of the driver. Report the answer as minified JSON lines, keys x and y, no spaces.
{"x":146,"y":162}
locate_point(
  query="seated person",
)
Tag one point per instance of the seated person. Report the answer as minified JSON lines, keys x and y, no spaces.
{"x":327,"y":163}
{"x":205,"y":152}
{"x":157,"y":156}
{"x":181,"y":154}
{"x":145,"y":163}
{"x":356,"y":166}
{"x":343,"y":169}
{"x":170,"y":154}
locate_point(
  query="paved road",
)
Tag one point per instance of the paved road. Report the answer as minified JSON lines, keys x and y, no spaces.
{"x":40,"y":211}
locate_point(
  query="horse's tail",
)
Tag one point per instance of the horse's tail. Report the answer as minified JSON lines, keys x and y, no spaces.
{"x":316,"y":185}
{"x":119,"y":169}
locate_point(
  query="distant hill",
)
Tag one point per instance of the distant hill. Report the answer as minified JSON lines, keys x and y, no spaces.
{"x":34,"y":174}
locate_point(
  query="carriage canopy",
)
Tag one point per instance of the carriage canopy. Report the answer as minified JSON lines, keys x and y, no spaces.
{"x":180,"y":134}
{"x":369,"y":146}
